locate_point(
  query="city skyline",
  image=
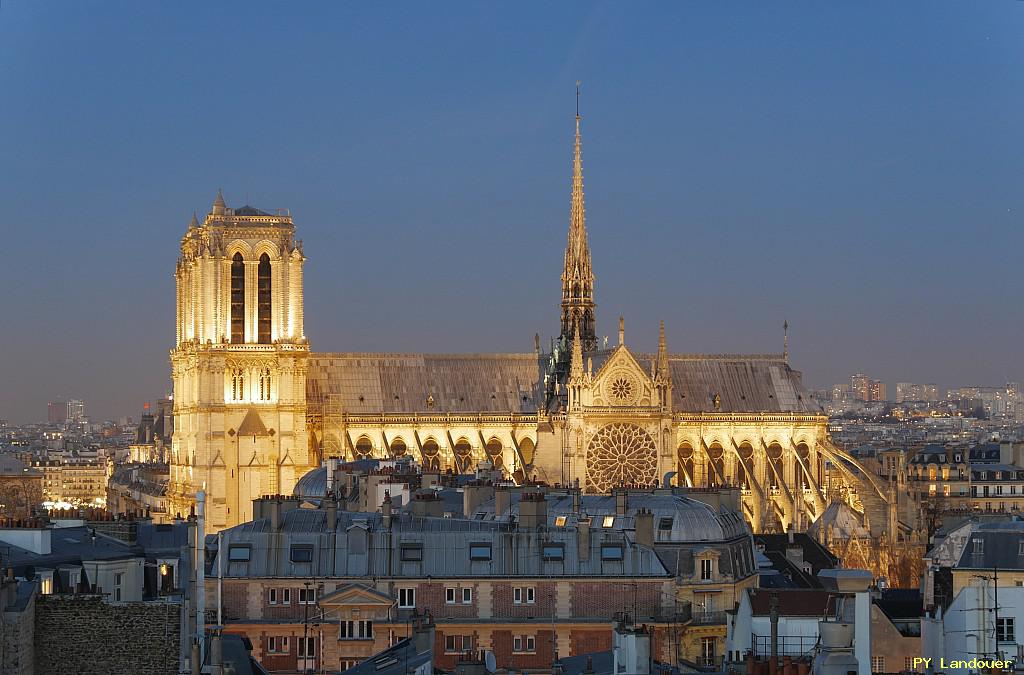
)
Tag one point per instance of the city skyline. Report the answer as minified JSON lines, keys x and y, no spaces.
{"x":710,"y":178}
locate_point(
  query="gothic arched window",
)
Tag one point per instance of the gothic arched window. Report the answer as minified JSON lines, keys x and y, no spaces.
{"x":237,"y":299}
{"x":263,"y":300}
{"x":364,"y":448}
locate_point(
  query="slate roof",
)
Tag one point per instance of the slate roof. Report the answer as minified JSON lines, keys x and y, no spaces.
{"x":1001,"y":547}
{"x":901,"y":603}
{"x":400,"y":659}
{"x":817,"y":555}
{"x":688,"y":520}
{"x":359,"y":545}
{"x":11,"y":466}
{"x":372,"y":383}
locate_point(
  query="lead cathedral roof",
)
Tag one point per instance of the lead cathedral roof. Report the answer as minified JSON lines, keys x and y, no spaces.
{"x":374,"y":383}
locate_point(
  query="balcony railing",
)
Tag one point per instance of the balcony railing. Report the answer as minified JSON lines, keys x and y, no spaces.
{"x":708,"y":618}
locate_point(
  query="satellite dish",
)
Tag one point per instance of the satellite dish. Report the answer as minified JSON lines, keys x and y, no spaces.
{"x":489,"y":662}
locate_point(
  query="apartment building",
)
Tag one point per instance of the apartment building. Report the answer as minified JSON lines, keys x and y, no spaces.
{"x":531,"y":575}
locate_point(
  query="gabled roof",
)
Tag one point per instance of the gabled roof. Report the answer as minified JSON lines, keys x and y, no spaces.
{"x":252,"y":425}
{"x":356,"y":594}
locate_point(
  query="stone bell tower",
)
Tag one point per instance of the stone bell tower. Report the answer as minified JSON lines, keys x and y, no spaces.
{"x":239,"y":363}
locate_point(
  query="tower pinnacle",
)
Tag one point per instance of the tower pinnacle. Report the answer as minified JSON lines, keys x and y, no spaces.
{"x":218,"y":204}
{"x":577,"y":274}
{"x":785,"y":340}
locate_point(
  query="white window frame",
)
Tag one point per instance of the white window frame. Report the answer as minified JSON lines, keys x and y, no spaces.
{"x":449,"y":595}
{"x":271,"y":596}
{"x":524,"y":644}
{"x":286,"y":596}
{"x":707,"y":569}
{"x":467,"y":595}
{"x":1009,"y":629}
{"x":523,"y":595}
{"x":310,"y":595}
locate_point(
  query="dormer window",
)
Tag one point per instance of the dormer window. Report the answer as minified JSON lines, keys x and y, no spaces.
{"x":706,"y":564}
{"x":238,"y":553}
{"x":611,"y":552}
{"x":979,"y":545}
{"x":553,"y":551}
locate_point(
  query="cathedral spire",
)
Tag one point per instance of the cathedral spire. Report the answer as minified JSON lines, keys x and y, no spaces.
{"x":577,"y":274}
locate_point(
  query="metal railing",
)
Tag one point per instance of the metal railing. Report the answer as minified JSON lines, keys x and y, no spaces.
{"x":788,"y":645}
{"x":708,"y":618}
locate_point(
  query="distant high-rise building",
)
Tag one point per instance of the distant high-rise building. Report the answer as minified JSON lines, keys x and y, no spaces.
{"x":908,"y":391}
{"x":76,"y":411}
{"x":876,"y":391}
{"x":840,"y":392}
{"x":860,"y":387}
{"x":57,"y":412}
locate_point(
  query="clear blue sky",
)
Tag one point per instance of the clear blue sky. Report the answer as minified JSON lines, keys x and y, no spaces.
{"x":855,"y":167}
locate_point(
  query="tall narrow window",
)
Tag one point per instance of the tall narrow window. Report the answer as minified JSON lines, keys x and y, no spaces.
{"x":263,"y":299}
{"x":237,"y":299}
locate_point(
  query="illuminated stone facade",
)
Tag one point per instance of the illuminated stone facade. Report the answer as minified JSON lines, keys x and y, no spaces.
{"x":254,"y":409}
{"x":239,"y":365}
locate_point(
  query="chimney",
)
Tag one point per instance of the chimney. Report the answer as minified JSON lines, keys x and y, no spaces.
{"x":331,"y":503}
{"x":426,"y":504}
{"x":385,"y":510}
{"x":533,"y":510}
{"x":621,"y":500}
{"x":423,"y":633}
{"x":644,"y":528}
{"x":583,"y":532}
{"x":473,"y":495}
{"x":274,"y":507}
{"x":331,"y":466}
{"x":576,"y":497}
{"x":794,"y":551}
{"x":632,"y":650}
{"x":502,"y":500}
{"x":216,"y":650}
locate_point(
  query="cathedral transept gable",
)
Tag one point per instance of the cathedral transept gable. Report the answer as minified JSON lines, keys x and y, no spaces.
{"x":621,"y":381}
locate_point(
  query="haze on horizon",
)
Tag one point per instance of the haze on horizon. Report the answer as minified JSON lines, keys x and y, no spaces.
{"x":855,"y":168}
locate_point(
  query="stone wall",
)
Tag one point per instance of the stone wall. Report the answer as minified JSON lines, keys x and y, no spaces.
{"x":83,"y":635}
{"x":16,"y":645}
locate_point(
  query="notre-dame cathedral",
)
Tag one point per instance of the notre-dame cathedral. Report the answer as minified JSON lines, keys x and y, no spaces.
{"x":254,"y":409}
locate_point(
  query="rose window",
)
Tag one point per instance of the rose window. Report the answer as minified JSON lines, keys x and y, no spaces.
{"x":622,"y":389}
{"x":620,"y":454}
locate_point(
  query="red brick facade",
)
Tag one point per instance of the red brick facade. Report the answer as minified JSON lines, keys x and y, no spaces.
{"x":503,"y":600}
{"x":605,"y":599}
{"x":587,"y":641}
